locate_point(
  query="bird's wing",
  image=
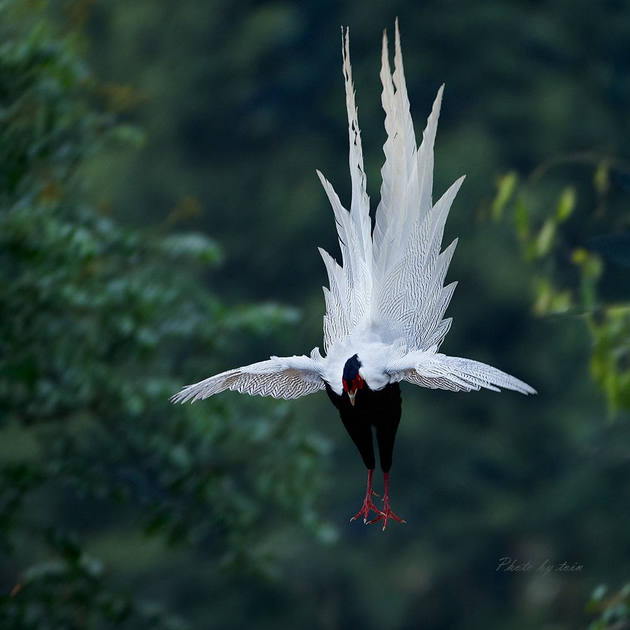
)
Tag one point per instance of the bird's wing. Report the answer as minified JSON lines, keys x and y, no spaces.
{"x":439,"y":371}
{"x":408,"y":269}
{"x":279,"y":377}
{"x":348,"y":296}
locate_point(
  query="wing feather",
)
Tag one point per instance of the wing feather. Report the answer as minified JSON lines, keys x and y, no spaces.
{"x":278,"y":377}
{"x":439,"y":371}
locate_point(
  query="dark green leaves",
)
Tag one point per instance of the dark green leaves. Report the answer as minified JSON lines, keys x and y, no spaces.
{"x":99,"y":324}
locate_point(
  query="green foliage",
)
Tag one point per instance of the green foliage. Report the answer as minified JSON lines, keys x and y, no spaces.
{"x":101,"y":323}
{"x":613,"y":609}
{"x":557,"y":246}
{"x":574,"y":271}
{"x":505,"y":190}
{"x":70,"y":592}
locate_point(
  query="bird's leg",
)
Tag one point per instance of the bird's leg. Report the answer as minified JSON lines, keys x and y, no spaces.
{"x":387,"y":512}
{"x":368,"y":504}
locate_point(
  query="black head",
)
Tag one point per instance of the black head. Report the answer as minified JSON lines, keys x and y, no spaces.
{"x":351,"y":368}
{"x":352,"y":381}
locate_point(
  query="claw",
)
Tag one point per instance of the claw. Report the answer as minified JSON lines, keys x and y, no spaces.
{"x":386,"y":513}
{"x":368,"y":505}
{"x":385,"y":516}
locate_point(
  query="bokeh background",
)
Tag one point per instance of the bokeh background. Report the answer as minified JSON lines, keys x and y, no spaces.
{"x":159,"y":213}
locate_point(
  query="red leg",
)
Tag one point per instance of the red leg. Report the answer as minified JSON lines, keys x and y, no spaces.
{"x":368,"y":504}
{"x":387,"y":512}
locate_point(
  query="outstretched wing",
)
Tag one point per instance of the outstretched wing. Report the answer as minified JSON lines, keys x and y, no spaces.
{"x":279,"y":377}
{"x":409,"y":294}
{"x":439,"y":371}
{"x":348,"y":296}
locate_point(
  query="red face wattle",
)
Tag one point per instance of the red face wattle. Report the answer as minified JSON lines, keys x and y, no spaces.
{"x":353,"y":385}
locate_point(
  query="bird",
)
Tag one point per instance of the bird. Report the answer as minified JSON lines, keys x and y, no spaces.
{"x":386,"y":300}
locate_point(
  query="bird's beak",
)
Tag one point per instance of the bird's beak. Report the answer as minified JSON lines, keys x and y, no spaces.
{"x":352,"y":394}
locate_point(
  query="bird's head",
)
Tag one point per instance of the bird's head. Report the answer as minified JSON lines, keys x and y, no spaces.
{"x":352,"y":380}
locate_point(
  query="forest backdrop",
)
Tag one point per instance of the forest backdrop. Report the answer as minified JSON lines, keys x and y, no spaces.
{"x":159,"y":213}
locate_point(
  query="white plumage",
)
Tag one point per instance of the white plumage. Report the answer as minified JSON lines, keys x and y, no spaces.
{"x":386,"y":300}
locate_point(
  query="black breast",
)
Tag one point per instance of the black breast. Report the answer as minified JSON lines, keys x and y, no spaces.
{"x":380,"y":409}
{"x":372,"y":407}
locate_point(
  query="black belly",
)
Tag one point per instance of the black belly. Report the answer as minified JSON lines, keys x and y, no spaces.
{"x":380,"y":409}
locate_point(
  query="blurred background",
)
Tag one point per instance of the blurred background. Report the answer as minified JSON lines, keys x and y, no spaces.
{"x":159,"y":216}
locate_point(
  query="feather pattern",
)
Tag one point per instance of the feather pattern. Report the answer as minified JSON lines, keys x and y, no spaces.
{"x":386,"y":299}
{"x":279,"y":377}
{"x":396,"y":279}
{"x":350,"y":283}
{"x":439,"y":371}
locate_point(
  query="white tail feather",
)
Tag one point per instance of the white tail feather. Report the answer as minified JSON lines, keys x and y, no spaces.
{"x":395,"y":278}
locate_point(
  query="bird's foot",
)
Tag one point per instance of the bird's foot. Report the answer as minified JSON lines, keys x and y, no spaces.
{"x":386,"y":514}
{"x":367,"y":507}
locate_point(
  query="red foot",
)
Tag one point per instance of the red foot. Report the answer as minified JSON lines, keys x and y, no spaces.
{"x":385,"y":515}
{"x":387,"y":512}
{"x":368,"y":504}
{"x":366,"y":508}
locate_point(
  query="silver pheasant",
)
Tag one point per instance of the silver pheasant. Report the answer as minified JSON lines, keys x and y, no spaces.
{"x":385,"y":303}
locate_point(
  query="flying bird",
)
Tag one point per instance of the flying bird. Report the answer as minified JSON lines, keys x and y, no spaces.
{"x":385,"y":303}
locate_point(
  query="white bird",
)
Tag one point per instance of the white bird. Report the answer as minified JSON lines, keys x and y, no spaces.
{"x":385,"y":303}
